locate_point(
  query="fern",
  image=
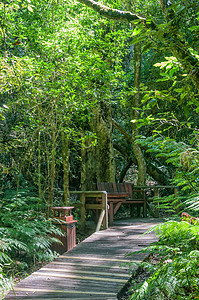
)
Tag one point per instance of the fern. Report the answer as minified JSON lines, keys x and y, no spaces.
{"x":183,"y":160}
{"x":24,"y":242}
{"x":175,"y":274}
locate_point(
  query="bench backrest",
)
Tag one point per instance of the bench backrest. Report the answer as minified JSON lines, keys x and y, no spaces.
{"x":112,"y":187}
{"x":125,"y":187}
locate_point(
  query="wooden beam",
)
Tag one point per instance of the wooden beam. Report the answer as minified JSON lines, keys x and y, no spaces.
{"x":100,"y":220}
{"x":117,"y":206}
{"x":111,"y":213}
{"x":94,"y":206}
{"x":105,"y":206}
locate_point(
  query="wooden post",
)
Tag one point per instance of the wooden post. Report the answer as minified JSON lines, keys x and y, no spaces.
{"x":105,"y":206}
{"x":83,"y":211}
{"x":111,"y":213}
{"x":156,"y":195}
{"x":100,"y":220}
{"x":144,"y":206}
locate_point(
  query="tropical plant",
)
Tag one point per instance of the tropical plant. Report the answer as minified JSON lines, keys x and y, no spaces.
{"x":26,"y":236}
{"x":173,"y":264}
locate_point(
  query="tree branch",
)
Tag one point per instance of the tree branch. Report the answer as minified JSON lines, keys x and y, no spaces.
{"x":157,"y":174}
{"x":127,"y":135}
{"x":180,"y":51}
{"x":112,"y":13}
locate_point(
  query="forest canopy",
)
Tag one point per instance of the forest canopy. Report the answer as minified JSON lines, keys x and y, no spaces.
{"x":94,"y":92}
{"x":98,"y":94}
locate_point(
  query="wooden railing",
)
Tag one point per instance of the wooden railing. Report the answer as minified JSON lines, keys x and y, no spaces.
{"x":157,"y":196}
{"x":84,"y":205}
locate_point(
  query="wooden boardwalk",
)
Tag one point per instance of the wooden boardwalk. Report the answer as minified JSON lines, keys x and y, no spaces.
{"x":92,"y":269}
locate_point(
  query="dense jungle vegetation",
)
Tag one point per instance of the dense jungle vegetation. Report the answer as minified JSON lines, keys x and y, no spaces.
{"x":99,"y":92}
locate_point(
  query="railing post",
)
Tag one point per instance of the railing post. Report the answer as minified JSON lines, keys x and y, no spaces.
{"x":105,"y":206}
{"x":144,"y":206}
{"x":111,"y":213}
{"x":156,"y":196}
{"x":83,"y":211}
{"x":68,"y":225}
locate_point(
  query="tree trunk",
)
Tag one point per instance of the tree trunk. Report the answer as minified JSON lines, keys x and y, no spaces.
{"x":104,"y":150}
{"x":98,"y":161}
{"x":51,"y":188}
{"x":66,"y":166}
{"x":88,"y":165}
{"x":136,"y":104}
{"x":39,"y":166}
{"x":153,"y":171}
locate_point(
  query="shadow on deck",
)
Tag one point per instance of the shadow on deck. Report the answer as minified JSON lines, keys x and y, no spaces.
{"x":92,"y":269}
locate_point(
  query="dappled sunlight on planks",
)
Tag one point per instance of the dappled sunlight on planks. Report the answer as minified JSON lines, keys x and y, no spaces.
{"x":92,"y":269}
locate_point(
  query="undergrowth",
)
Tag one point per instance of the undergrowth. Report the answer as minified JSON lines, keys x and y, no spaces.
{"x":173,"y":266}
{"x":26,"y":236}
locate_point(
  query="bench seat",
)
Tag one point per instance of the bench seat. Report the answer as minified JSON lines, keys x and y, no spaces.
{"x":122,"y":193}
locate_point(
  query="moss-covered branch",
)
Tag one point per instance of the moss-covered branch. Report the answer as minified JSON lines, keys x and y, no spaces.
{"x":111,"y":13}
{"x":171,"y":40}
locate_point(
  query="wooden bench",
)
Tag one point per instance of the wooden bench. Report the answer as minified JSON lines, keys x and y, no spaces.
{"x":122,"y":193}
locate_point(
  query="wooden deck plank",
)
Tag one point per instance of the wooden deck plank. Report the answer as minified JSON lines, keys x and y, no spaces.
{"x":65,"y":286}
{"x":92,"y":269}
{"x":82,"y":265}
{"x":89,"y":272}
{"x":50,"y":293}
{"x":83,"y":297}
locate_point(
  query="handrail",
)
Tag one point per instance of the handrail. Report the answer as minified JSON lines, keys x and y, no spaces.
{"x":156,"y":189}
{"x":103,"y":206}
{"x":154,"y":186}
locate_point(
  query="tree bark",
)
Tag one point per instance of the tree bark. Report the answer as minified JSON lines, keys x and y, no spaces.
{"x":104,"y":149}
{"x":152,"y":170}
{"x":98,"y":161}
{"x":66,"y":166}
{"x":88,"y":165}
{"x":39,"y":166}
{"x":52,"y":173}
{"x":136,"y":104}
{"x":111,"y":13}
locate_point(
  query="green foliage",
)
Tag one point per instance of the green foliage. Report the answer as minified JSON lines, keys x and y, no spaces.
{"x":25,"y":236}
{"x":173,"y":264}
{"x":183,"y":160}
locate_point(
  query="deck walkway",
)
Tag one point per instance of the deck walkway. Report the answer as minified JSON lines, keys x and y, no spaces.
{"x":92,"y":269}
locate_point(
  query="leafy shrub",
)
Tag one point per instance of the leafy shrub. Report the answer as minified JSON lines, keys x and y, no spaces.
{"x":183,"y":160}
{"x":174,"y":275}
{"x":4,"y":282}
{"x":25,"y":236}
